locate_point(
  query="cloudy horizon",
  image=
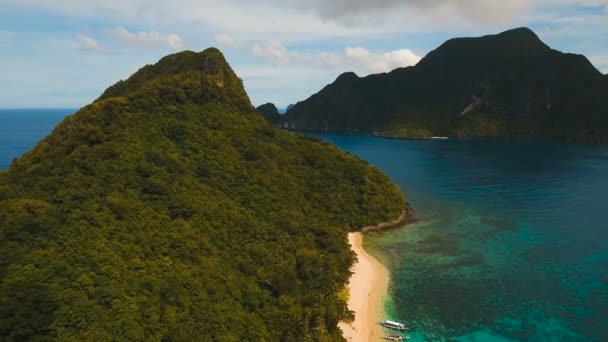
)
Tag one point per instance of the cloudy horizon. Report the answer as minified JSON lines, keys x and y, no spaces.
{"x":64,"y":53}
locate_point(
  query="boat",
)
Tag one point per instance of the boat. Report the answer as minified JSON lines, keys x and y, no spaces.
{"x":396,"y":337}
{"x":439,"y":138}
{"x":393,"y":325}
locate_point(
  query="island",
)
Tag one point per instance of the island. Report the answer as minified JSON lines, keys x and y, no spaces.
{"x":508,"y":85}
{"x":170,"y":210}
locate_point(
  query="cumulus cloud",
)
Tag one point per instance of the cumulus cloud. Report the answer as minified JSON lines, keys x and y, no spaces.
{"x":277,"y":53}
{"x":600,"y":62}
{"x":355,"y":58}
{"x":273,"y":51}
{"x":150,"y":39}
{"x":225,"y":40}
{"x":87,"y":43}
{"x":382,"y":62}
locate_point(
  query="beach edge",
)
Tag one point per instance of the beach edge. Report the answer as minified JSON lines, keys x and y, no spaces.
{"x":368,"y":288}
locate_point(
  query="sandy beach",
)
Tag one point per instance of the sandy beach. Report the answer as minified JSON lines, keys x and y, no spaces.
{"x":368,"y":287}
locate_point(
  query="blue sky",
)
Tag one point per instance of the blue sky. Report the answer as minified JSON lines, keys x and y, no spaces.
{"x":64,"y":53}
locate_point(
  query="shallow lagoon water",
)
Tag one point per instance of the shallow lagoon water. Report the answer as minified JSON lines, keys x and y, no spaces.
{"x":511,"y":242}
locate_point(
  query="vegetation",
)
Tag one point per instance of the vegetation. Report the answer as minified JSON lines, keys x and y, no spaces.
{"x":169,"y":210}
{"x":406,"y":131}
{"x":508,"y":85}
{"x":270,"y":112}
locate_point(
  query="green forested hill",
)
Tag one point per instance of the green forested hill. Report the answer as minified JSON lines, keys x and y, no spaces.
{"x":270,"y":112}
{"x":169,"y":210}
{"x":508,"y":85}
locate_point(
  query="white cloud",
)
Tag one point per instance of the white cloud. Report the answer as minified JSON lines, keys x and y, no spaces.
{"x":382,"y":62}
{"x":225,"y":40}
{"x":147,"y":39}
{"x":87,"y":43}
{"x":354,"y":58}
{"x":273,"y":51}
{"x":276,"y":52}
{"x":600,"y":62}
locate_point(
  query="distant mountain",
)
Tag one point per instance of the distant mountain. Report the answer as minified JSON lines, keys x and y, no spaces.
{"x":506,"y":85}
{"x":270,"y":112}
{"x":169,"y":210}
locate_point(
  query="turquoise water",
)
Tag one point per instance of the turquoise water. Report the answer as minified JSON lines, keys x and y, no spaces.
{"x":512,"y":242}
{"x":21,"y":129}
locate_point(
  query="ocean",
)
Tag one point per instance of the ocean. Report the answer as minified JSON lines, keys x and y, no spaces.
{"x":511,"y":242}
{"x":21,"y":129}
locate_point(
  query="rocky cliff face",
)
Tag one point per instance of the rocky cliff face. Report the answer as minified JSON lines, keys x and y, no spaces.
{"x":505,"y":85}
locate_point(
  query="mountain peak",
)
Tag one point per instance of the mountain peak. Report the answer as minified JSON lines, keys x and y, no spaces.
{"x":522,"y":36}
{"x":269,"y":105}
{"x":347,"y":76}
{"x":270,"y":112}
{"x":201,"y":76}
{"x":506,"y":47}
{"x":519,"y":31}
{"x":509,"y":84}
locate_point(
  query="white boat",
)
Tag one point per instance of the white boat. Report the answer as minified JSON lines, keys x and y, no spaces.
{"x":397,"y":338}
{"x":393,"y":325}
{"x":439,"y":138}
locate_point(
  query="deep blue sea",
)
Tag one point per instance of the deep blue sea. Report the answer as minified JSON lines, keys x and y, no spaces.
{"x":21,"y":129}
{"x":512,"y":242}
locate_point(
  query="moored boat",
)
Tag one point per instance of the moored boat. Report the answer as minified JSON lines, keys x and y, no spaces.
{"x":393,"y":325}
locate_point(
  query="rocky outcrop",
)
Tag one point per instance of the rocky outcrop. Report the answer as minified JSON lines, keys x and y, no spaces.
{"x":406,"y":217}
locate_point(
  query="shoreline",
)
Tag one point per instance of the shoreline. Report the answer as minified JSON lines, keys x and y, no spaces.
{"x":368,"y":287}
{"x":407,"y":216}
{"x":396,"y":137}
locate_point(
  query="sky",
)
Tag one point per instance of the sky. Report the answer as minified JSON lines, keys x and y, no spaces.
{"x":64,"y":53}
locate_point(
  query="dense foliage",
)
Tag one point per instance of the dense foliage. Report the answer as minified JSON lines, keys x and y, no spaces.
{"x":409,"y":130}
{"x":506,"y":85}
{"x":270,"y":112}
{"x":170,"y":210}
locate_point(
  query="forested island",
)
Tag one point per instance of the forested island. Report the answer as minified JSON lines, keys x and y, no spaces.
{"x":270,"y":112}
{"x":509,"y":85}
{"x":170,"y":210}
